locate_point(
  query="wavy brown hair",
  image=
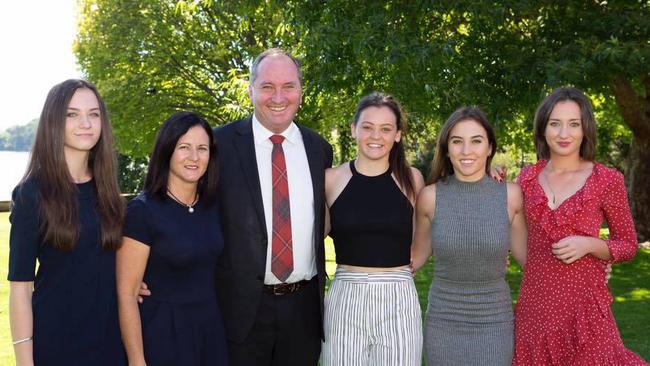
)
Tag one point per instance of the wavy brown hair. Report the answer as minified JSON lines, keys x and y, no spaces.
{"x":59,"y":211}
{"x":397,"y":157}
{"x":441,"y":166}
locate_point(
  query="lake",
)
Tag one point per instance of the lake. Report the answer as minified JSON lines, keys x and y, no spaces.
{"x":12,"y":168}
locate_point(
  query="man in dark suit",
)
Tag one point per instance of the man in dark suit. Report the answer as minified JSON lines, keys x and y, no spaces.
{"x":271,"y":273}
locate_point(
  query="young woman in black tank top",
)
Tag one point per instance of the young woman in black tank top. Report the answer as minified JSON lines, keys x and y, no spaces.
{"x":370,"y":202}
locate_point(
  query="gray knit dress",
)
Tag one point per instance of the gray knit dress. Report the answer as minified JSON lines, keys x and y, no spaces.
{"x":469,"y":319}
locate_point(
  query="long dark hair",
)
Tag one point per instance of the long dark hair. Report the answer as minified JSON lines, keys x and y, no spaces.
{"x":397,"y":157}
{"x":59,"y":211}
{"x":441,"y":166}
{"x":588,"y":122}
{"x":158,"y":173}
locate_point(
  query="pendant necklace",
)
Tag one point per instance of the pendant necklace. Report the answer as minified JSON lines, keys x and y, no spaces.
{"x":190,"y":207}
{"x":548,"y":184}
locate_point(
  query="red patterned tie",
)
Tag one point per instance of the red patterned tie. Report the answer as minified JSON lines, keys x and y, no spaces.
{"x":282,"y":251}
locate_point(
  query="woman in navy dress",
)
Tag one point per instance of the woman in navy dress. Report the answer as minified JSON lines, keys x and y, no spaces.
{"x":67,"y":215}
{"x":172,"y":240}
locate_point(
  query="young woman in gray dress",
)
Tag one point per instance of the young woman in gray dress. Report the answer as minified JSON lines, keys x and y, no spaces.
{"x":468,"y":221}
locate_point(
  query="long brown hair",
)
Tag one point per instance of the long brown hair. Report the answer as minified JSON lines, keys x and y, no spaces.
{"x":397,"y":157}
{"x":588,"y":145}
{"x":441,"y":167}
{"x":59,"y":211}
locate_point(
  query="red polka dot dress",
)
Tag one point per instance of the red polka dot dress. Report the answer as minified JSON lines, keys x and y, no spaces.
{"x":563,"y":315}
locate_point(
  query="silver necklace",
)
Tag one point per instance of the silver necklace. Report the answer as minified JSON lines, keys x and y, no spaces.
{"x":190,"y":207}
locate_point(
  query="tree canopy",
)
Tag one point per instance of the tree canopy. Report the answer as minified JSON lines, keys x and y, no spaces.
{"x":18,"y":138}
{"x":150,"y":58}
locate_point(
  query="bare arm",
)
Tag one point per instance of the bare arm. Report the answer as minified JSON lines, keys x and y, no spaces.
{"x":328,"y":225}
{"x":418,"y":183}
{"x":131,"y":261}
{"x":518,"y":229}
{"x":424,"y":211}
{"x":22,"y":320}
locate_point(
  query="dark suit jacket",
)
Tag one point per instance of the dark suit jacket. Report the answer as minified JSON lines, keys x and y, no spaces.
{"x":241,"y":267}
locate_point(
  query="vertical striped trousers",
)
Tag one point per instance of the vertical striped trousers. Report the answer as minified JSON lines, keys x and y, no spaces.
{"x":372,"y":319}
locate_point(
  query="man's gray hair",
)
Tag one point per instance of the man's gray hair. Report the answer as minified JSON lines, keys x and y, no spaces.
{"x":273,"y":52}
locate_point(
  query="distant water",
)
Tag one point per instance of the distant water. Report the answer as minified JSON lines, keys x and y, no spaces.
{"x":12,"y":169}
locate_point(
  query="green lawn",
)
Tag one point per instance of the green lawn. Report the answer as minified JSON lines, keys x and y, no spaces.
{"x":630,"y":285}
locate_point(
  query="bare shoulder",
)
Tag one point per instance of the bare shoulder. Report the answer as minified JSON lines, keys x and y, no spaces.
{"x":338,"y":172}
{"x":514,"y":190}
{"x":335,"y":181}
{"x":418,"y":179}
{"x":427,"y":199}
{"x":515,"y":196}
{"x":429,"y":191}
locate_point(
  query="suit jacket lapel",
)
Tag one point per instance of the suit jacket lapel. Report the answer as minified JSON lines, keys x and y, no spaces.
{"x":245,"y":145}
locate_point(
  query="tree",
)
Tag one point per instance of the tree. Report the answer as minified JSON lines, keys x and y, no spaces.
{"x":504,"y":56}
{"x":150,"y":58}
{"x":19,"y":138}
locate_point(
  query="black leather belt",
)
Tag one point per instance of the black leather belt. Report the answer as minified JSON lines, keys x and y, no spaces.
{"x":286,"y":288}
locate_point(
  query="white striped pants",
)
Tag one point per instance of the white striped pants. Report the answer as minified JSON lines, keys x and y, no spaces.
{"x":372,"y":319}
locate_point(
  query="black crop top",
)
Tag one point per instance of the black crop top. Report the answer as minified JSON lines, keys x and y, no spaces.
{"x":372,"y":222}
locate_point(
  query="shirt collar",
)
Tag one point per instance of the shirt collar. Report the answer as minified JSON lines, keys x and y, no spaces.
{"x":262,"y":134}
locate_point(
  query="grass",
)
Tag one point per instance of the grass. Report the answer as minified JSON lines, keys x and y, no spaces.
{"x":630,"y":285}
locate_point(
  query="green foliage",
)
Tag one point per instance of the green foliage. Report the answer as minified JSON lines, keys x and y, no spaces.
{"x":18,"y":138}
{"x":504,"y":56}
{"x":131,"y":173}
{"x":614,"y":138}
{"x":150,"y":58}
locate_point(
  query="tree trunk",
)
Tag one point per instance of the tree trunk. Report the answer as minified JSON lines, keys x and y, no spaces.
{"x":635,"y":110}
{"x":639,"y":190}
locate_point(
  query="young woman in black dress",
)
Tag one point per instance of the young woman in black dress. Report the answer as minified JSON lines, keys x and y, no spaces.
{"x":172,"y":240}
{"x":67,"y":215}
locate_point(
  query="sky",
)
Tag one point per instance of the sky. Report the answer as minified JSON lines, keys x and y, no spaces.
{"x":36,"y":53}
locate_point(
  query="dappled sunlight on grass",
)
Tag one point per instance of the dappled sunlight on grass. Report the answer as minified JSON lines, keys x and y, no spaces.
{"x":330,"y":260}
{"x":637,"y":294}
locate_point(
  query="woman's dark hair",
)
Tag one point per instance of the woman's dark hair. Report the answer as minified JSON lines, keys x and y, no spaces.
{"x":170,"y":132}
{"x":441,"y":166}
{"x":397,"y":157}
{"x":59,"y":211}
{"x":588,"y":122}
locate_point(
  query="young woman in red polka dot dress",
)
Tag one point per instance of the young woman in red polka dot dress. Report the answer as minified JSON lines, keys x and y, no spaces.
{"x":563,"y":316}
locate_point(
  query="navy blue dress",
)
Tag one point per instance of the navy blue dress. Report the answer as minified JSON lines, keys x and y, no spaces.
{"x":74,"y":301}
{"x":181,"y":323}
